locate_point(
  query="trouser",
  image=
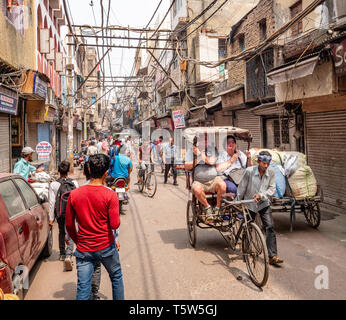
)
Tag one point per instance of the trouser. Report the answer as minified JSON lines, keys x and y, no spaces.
{"x":63,"y":235}
{"x":86,"y":261}
{"x":231,"y":186}
{"x":95,"y":281}
{"x":174,"y":169}
{"x":267,"y":220}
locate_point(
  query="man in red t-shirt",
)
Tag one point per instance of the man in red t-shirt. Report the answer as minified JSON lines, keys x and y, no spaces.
{"x":96,"y":210}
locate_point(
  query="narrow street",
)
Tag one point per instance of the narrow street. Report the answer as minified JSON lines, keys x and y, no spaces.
{"x":158,"y":262}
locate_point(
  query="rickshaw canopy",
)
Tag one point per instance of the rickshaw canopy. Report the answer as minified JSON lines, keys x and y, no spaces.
{"x":238,"y":133}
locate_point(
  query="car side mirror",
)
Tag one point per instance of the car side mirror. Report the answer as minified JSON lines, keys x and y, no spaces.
{"x":42,"y":198}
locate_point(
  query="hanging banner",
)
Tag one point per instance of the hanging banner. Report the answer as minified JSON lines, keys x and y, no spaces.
{"x":178,"y":119}
{"x":43,"y":150}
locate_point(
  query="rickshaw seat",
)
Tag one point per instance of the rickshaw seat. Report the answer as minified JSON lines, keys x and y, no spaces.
{"x":229,"y":196}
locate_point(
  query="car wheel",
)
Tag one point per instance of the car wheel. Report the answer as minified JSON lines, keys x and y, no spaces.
{"x":48,"y":248}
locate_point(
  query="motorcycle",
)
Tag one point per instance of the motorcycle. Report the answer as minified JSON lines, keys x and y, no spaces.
{"x":120,"y":187}
{"x":75,"y":159}
{"x":81,"y":161}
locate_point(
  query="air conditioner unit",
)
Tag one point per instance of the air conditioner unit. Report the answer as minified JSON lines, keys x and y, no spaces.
{"x":59,"y":62}
{"x":51,"y":54}
{"x":44,"y":41}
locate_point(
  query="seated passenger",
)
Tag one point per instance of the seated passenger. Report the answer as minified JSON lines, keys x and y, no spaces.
{"x":205,"y":175}
{"x":232,"y":163}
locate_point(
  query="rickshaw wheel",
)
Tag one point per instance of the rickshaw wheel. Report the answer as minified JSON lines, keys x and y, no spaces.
{"x":312,"y":214}
{"x":191,"y":220}
{"x":255,"y":254}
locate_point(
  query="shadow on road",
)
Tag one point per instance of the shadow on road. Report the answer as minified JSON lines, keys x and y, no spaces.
{"x":68,"y":291}
{"x":224,"y":256}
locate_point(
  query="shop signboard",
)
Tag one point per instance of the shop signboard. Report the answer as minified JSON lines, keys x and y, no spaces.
{"x":339,"y":55}
{"x":8,"y":104}
{"x":43,"y":150}
{"x":49,"y":116}
{"x":178,"y":119}
{"x":40,"y":87}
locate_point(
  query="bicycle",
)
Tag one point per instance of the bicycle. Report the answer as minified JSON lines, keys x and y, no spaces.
{"x":148,"y":181}
{"x":239,"y":226}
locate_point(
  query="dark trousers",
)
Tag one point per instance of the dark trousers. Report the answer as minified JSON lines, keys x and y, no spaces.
{"x":62,"y":234}
{"x":95,"y":281}
{"x":174,"y":169}
{"x":267,"y":220}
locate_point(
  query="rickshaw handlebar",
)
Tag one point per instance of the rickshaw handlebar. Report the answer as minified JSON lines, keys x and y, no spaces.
{"x":238,"y":202}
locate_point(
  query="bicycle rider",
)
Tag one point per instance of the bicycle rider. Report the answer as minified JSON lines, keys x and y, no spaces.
{"x":145,"y":157}
{"x":258,"y":183}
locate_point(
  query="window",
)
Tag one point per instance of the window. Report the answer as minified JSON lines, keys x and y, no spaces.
{"x":241,"y":42}
{"x":28,"y":194}
{"x":263,"y":29}
{"x":297,"y":27}
{"x":222,"y":49}
{"x":11,"y":198}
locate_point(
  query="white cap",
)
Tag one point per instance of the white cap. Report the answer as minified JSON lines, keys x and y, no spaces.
{"x":27,"y":150}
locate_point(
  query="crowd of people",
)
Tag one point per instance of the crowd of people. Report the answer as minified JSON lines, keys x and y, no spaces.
{"x":88,"y":216}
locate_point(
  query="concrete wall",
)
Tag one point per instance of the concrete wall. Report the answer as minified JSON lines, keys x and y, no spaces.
{"x":17,"y":49}
{"x":320,"y":83}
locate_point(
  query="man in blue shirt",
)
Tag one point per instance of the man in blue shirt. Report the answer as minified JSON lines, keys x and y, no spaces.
{"x":121,"y":167}
{"x":22,"y":167}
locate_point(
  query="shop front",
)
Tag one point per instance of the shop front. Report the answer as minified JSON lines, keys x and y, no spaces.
{"x":8,"y":109}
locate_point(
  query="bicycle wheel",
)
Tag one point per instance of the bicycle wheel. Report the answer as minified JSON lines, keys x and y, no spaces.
{"x":191,"y":220}
{"x":150,"y":182}
{"x":141,"y":185}
{"x":255,"y":254}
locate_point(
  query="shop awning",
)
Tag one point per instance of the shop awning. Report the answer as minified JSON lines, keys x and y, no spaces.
{"x":271,"y":108}
{"x":293,"y":71}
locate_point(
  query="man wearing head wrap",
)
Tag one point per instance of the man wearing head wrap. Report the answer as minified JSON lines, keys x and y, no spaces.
{"x":258,"y":183}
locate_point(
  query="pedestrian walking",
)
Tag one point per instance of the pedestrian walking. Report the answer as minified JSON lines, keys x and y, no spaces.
{"x":258,"y":183}
{"x":92,"y":149}
{"x":169,"y":161}
{"x":96,"y":208}
{"x":58,"y":193}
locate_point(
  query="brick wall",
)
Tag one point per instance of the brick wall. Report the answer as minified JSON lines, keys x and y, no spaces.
{"x":250,"y":29}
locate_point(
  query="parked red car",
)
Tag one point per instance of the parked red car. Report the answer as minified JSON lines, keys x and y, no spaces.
{"x":24,"y":231}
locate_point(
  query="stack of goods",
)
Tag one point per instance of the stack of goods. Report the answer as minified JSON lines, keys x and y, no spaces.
{"x":292,"y":165}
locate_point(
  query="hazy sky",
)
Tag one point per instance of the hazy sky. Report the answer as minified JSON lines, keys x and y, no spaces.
{"x":133,"y":13}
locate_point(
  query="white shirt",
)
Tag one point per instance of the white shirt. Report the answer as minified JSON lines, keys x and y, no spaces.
{"x":92,"y":150}
{"x":53,"y":191}
{"x":224,"y":156}
{"x":99,"y":146}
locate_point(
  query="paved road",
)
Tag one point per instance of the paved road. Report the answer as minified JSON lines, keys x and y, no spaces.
{"x":158,"y":262}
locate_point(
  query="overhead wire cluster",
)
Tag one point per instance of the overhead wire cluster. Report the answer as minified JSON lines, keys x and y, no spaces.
{"x":176,"y":39}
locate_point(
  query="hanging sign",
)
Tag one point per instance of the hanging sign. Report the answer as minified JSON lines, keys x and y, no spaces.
{"x":178,"y":119}
{"x":43,"y":150}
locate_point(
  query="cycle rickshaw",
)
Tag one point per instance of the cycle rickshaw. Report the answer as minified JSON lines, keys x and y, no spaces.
{"x":233,"y":229}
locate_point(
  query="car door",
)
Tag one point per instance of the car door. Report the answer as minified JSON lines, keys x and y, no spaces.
{"x":21,"y":219}
{"x":36,"y":210}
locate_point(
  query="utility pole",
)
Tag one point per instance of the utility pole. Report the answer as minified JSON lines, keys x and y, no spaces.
{"x":70,"y":113}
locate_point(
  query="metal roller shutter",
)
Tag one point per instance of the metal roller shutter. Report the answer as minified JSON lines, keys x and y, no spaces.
{"x":246,"y":120}
{"x":221,"y":119}
{"x":4,"y":143}
{"x":326,"y":153}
